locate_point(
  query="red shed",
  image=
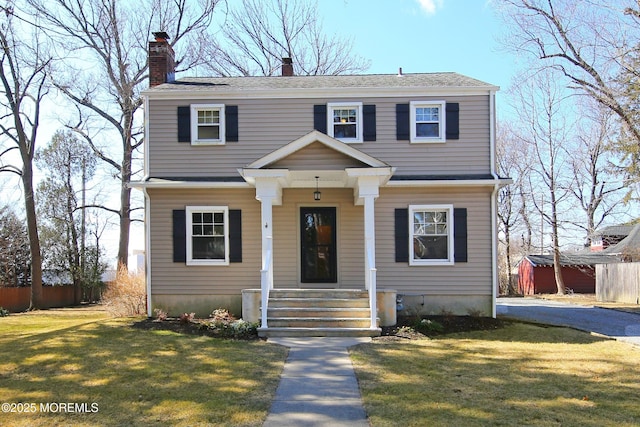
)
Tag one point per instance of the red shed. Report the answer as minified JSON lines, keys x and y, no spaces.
{"x":536,"y":276}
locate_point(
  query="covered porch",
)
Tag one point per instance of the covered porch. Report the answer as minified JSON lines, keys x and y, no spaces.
{"x":311,"y":174}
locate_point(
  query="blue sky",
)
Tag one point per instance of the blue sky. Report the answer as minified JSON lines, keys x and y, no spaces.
{"x":423,"y":36}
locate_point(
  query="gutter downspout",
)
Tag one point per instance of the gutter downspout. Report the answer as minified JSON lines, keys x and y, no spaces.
{"x":494,"y":208}
{"x":147,"y":207}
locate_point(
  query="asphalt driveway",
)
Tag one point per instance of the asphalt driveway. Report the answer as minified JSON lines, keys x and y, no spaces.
{"x":611,"y":323}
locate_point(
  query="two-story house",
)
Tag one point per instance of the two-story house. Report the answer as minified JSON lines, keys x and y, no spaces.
{"x":382,"y":184}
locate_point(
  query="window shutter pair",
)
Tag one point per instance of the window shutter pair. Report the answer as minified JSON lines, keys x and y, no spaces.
{"x":459,"y":234}
{"x":368,"y":120}
{"x":230,"y":121}
{"x":403,"y":121}
{"x":180,"y":235}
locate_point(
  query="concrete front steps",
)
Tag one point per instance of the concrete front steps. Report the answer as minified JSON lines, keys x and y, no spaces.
{"x":318,"y":313}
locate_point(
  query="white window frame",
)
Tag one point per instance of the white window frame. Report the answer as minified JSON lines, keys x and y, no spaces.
{"x":194,"y":124}
{"x":341,"y":106}
{"x":189,"y":210}
{"x":441,"y":105}
{"x":450,"y":249}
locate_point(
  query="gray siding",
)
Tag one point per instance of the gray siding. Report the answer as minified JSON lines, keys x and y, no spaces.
{"x":471,"y":278}
{"x":461,"y":279}
{"x":265,"y":125}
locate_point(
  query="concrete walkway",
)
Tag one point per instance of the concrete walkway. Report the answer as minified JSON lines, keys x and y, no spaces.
{"x":318,"y":386}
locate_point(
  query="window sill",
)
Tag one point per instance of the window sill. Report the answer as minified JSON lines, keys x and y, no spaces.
{"x":198,"y":143}
{"x":430,"y":263}
{"x":428,"y":141}
{"x":207,"y":262}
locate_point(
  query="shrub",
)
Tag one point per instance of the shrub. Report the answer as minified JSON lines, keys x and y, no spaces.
{"x":126,"y":295}
{"x":224,"y":324}
{"x":426,"y":325}
{"x":160,"y":314}
{"x":4,"y":312}
{"x":187,"y":317}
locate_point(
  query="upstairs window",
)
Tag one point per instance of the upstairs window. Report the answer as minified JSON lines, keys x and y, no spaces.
{"x":345,"y":121}
{"x":207,"y":124}
{"x":207,"y":235}
{"x":428,"y":121}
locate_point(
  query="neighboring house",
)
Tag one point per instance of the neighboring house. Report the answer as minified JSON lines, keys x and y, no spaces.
{"x":376,"y":182}
{"x":609,"y":236}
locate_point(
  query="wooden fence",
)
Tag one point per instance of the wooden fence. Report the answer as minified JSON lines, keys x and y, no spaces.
{"x":618,"y":282}
{"x":17,"y":299}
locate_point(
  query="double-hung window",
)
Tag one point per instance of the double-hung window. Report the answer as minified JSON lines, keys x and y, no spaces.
{"x":431,"y":235}
{"x":428,"y":121}
{"x":207,"y":124}
{"x":345,"y":121}
{"x":207,"y":235}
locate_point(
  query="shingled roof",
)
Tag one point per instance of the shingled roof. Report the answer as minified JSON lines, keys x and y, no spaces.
{"x":573,"y":259}
{"x":417,"y":80}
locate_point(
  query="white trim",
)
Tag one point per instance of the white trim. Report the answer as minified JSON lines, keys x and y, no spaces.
{"x":163,"y":183}
{"x":442,"y":135}
{"x":194,"y":108}
{"x":212,"y":209}
{"x":450,"y":234}
{"x":492,"y":134}
{"x":450,"y":183}
{"x":344,"y":106}
{"x":147,"y":249}
{"x":494,"y":250}
{"x":145,"y":145}
{"x":305,"y":93}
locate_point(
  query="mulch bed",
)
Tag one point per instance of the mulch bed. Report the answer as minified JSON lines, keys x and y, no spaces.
{"x":450,"y":325}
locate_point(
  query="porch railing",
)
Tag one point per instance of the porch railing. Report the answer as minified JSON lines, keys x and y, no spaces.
{"x":371,"y":286}
{"x":266,"y":282}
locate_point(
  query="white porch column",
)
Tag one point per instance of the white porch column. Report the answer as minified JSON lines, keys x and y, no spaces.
{"x":366,"y":192}
{"x":269,"y":193}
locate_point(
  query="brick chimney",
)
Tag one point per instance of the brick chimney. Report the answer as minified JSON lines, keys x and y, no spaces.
{"x":162,"y":67}
{"x":287,"y":67}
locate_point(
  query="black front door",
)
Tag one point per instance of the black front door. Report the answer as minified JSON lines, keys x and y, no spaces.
{"x":318,"y":245}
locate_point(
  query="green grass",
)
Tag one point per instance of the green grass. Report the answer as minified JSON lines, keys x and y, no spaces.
{"x":522,"y":375}
{"x":136,"y":377}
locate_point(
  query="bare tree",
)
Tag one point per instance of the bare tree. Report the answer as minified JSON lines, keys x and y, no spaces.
{"x":589,"y":43}
{"x":513,"y":210}
{"x":103,"y":45}
{"x":259,"y":33}
{"x":23,"y":76}
{"x":541,"y":108}
{"x":597,"y":191}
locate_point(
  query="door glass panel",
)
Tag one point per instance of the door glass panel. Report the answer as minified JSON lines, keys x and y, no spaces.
{"x":318,"y":245}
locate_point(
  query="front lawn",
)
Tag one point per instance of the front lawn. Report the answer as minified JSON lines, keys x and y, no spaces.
{"x":82,"y":368}
{"x":518,"y":375}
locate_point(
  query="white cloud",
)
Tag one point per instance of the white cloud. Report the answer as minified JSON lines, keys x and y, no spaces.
{"x":430,"y":7}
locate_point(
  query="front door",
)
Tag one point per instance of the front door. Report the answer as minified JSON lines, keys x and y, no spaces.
{"x":318,"y":256}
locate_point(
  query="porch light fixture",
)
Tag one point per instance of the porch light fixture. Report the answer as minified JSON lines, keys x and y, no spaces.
{"x":317,"y":194}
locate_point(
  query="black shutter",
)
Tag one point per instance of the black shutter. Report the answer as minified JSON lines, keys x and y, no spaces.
{"x":320,"y":118}
{"x":460,"y":235}
{"x":453,"y":120}
{"x":184,"y":124}
{"x":403,"y":125}
{"x":402,"y":235}
{"x":235,"y":235}
{"x":179,"y":236}
{"x":231,"y":123}
{"x":369,"y":125}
